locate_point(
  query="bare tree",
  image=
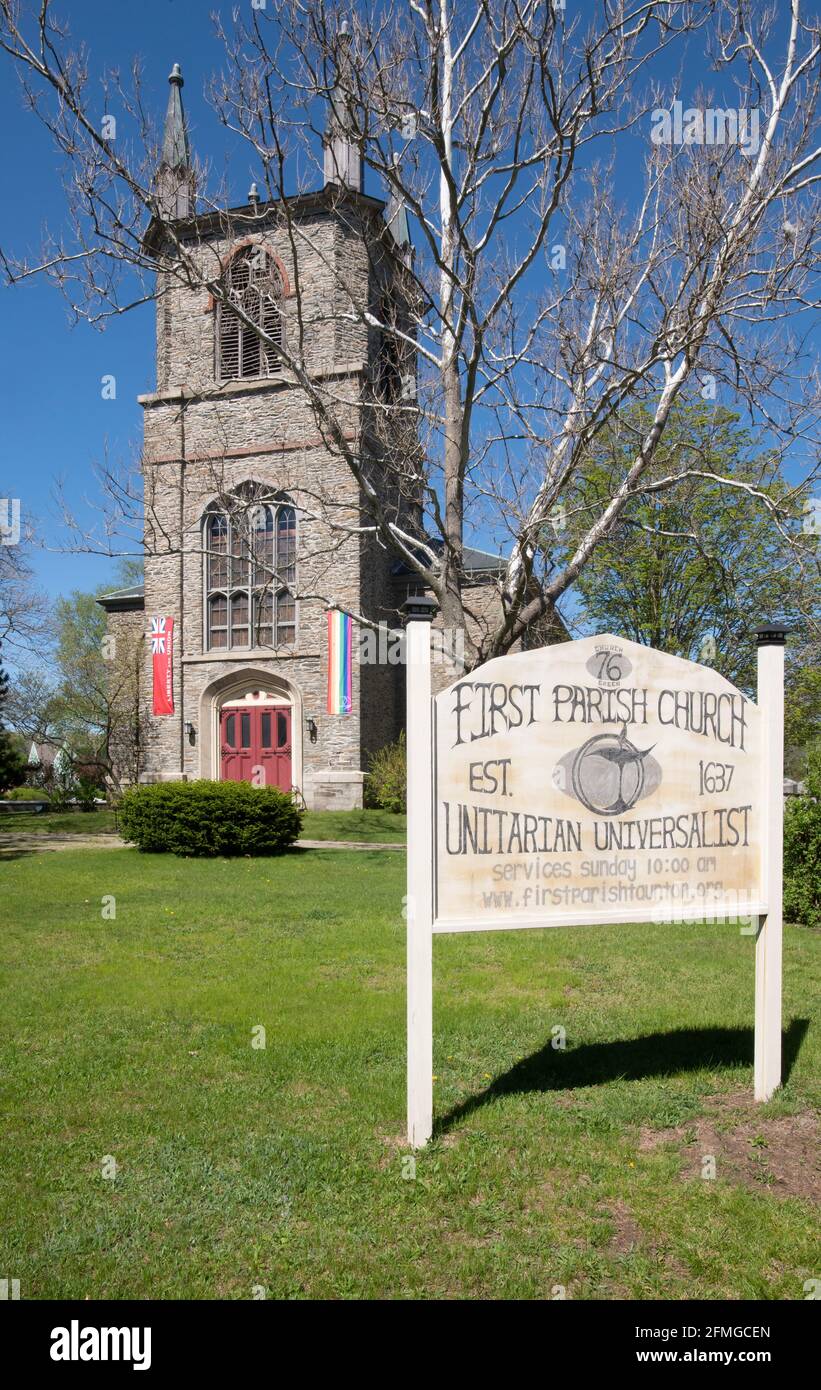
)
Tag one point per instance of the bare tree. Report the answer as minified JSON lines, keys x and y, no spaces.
{"x":23,"y":606}
{"x":535,"y":303}
{"x":87,"y":700}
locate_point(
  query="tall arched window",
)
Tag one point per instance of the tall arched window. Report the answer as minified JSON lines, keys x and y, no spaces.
{"x":252,"y":283}
{"x":250,"y":573}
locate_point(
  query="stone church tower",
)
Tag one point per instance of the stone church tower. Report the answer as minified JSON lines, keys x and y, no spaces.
{"x":252,"y":517}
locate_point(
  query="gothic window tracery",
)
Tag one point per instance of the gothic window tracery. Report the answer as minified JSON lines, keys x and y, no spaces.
{"x":254,"y":290}
{"x":250,"y":572}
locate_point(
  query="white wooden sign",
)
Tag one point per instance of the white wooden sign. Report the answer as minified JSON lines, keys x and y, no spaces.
{"x":591,"y":782}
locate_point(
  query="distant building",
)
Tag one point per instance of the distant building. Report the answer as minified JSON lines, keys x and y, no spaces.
{"x":793,"y":788}
{"x":49,"y":757}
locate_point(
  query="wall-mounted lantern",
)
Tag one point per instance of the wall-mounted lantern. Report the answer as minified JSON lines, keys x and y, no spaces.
{"x":311,"y":726}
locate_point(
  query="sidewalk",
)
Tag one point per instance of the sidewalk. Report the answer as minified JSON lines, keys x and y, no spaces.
{"x":26,"y":843}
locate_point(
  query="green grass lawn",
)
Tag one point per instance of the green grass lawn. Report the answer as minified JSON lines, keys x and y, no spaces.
{"x":316,"y":825}
{"x":285,"y":1167}
{"x":370,"y":826}
{"x":58,"y":822}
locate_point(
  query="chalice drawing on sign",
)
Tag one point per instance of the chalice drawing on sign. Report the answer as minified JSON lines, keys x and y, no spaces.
{"x":608,"y":773}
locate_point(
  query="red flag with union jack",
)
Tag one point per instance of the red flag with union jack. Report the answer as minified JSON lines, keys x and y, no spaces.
{"x":162,"y":655}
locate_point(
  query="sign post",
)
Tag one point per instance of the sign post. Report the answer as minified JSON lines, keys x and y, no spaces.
{"x":767,"y":1066}
{"x":419,"y":613}
{"x":596,"y":781}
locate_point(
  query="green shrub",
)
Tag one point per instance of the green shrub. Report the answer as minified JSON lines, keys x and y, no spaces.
{"x":12,"y":765}
{"x":86,"y":792}
{"x":60,"y":793}
{"x":208,"y":818}
{"x":802,"y":850}
{"x":26,"y":794}
{"x":386,"y":784}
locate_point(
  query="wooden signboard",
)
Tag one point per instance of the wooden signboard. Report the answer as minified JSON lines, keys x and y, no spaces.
{"x":596,"y":781}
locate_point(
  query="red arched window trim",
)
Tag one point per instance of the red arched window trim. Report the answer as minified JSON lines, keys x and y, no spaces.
{"x":236,"y":250}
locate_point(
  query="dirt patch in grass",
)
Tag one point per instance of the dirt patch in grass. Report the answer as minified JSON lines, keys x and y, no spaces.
{"x":779,"y":1154}
{"x":628,"y":1240}
{"x":397,"y":1146}
{"x":627,"y":1235}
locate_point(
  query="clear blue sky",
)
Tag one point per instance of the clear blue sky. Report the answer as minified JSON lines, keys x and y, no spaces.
{"x":55,"y":422}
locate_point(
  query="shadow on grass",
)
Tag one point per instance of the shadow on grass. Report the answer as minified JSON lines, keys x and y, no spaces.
{"x":634,"y":1059}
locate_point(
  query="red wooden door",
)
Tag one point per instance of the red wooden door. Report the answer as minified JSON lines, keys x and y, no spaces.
{"x":274,"y":745}
{"x":256,"y":745}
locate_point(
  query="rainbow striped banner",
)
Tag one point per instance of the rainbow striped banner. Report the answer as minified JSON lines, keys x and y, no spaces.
{"x":340,"y":635}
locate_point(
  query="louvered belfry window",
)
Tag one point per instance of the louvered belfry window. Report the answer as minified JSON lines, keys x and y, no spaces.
{"x":252,"y":284}
{"x":250,"y":573}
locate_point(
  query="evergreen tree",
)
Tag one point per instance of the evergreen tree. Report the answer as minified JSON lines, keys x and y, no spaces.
{"x":12,"y":767}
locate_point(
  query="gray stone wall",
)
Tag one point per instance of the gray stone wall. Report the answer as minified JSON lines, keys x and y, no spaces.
{"x":127,"y":690}
{"x":204,"y":438}
{"x":309,"y":264}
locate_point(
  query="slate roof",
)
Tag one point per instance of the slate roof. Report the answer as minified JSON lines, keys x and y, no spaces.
{"x":123,"y":600}
{"x":46,"y":754}
{"x":475,"y":561}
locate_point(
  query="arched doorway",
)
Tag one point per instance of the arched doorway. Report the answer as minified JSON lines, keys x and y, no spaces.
{"x":252,"y":730}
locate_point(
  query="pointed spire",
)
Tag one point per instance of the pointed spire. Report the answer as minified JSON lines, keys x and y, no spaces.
{"x":175,"y":151}
{"x":342,"y":160}
{"x":175,"y":176}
